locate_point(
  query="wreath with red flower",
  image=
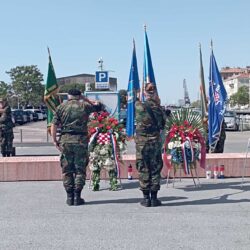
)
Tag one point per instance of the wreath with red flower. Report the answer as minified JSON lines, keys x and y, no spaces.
{"x":185,"y":139}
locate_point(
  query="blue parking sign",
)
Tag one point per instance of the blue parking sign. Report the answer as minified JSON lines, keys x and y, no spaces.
{"x":101,"y":76}
{"x":101,"y":80}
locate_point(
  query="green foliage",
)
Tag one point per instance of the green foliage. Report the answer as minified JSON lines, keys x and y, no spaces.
{"x":196,"y":104}
{"x":185,"y":114}
{"x":27,"y":83}
{"x":4,"y":89}
{"x":241,"y":97}
{"x":123,"y":98}
{"x":66,"y":87}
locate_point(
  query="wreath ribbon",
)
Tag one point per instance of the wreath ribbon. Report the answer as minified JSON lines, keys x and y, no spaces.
{"x":115,"y":153}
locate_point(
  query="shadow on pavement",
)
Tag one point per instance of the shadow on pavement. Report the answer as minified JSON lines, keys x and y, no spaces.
{"x":130,"y":184}
{"x":210,"y":201}
{"x":214,"y":186}
{"x":132,"y":200}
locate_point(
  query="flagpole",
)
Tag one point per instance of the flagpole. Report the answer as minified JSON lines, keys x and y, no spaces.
{"x":210,"y":82}
{"x":48,"y":50}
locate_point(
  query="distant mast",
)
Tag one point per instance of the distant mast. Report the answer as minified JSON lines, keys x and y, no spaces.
{"x":186,"y":96}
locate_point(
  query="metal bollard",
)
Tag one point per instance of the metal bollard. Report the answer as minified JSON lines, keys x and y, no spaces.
{"x":21,"y":135}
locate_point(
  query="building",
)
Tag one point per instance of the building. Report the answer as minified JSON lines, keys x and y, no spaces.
{"x":233,"y":83}
{"x":228,"y":72}
{"x":85,"y":78}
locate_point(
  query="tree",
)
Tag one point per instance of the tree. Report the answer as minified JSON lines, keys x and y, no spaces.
{"x":4,"y":89}
{"x":196,"y":104}
{"x":66,"y":87}
{"x":241,"y":97}
{"x":27,"y":84}
{"x":123,"y":98}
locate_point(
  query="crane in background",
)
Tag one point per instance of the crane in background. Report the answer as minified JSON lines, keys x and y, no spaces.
{"x":186,"y":96}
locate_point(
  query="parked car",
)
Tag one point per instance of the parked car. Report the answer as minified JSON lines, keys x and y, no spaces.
{"x":39,"y":113}
{"x":44,"y":114}
{"x":35,"y":116}
{"x":20,"y":116}
{"x":29,"y":115}
{"x":232,"y":121}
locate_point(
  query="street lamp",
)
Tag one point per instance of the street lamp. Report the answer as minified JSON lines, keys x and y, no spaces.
{"x":248,"y":93}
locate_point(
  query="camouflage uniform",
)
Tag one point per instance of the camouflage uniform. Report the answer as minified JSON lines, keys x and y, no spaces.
{"x":6,"y":130}
{"x":150,"y":121}
{"x":73,"y":117}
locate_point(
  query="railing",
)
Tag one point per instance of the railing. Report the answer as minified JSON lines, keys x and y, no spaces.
{"x":31,"y":136}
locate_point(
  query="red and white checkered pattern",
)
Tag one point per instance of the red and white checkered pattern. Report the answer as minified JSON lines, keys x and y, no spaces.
{"x":103,"y":138}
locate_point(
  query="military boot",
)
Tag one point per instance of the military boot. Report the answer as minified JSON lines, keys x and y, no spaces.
{"x":146,"y":199}
{"x":77,"y":198}
{"x":154,"y":201}
{"x":70,"y":198}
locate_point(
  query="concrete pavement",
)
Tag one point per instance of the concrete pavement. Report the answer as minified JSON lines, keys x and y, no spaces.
{"x":33,"y":215}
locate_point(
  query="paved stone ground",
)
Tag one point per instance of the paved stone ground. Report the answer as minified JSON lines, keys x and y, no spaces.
{"x":33,"y":215}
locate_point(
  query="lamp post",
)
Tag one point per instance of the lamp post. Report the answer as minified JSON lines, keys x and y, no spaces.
{"x":249,"y":93}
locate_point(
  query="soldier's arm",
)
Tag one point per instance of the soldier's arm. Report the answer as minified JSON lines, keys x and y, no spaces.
{"x":94,"y":107}
{"x":139,"y":112}
{"x":159,"y":115}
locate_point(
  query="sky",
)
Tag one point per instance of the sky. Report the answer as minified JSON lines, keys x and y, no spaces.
{"x":79,"y":32}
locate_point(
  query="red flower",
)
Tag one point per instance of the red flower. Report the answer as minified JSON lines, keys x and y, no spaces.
{"x":186,"y":123}
{"x":92,"y":130}
{"x":100,"y":125}
{"x":108,"y":127}
{"x":181,"y":127}
{"x":171,"y":134}
{"x":115,"y":122}
{"x":99,"y":118}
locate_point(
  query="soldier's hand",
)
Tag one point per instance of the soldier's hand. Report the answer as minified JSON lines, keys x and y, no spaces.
{"x":96,"y":102}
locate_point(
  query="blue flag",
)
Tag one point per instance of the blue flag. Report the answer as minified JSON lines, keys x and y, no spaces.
{"x":133,"y":88}
{"x":217,"y":103}
{"x":148,"y":71}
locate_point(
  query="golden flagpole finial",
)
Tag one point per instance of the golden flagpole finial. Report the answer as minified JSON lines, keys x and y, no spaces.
{"x":145,"y":27}
{"x":211,"y":44}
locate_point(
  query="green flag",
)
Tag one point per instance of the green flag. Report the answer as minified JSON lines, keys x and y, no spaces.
{"x":50,"y":94}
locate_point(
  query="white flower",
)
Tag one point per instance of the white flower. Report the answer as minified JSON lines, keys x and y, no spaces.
{"x":170,"y":145}
{"x":177,"y":144}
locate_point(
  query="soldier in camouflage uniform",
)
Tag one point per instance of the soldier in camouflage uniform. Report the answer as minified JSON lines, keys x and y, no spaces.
{"x":73,"y":116}
{"x":220,"y":144}
{"x":6,"y":128}
{"x":150,"y":121}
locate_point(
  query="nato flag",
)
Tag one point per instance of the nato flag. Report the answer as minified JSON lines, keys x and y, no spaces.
{"x":217,"y":103}
{"x":133,"y":88}
{"x":148,"y":71}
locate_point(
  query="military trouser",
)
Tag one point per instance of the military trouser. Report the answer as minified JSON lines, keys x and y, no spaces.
{"x":149,"y":164}
{"x":6,"y":141}
{"x":74,"y":160}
